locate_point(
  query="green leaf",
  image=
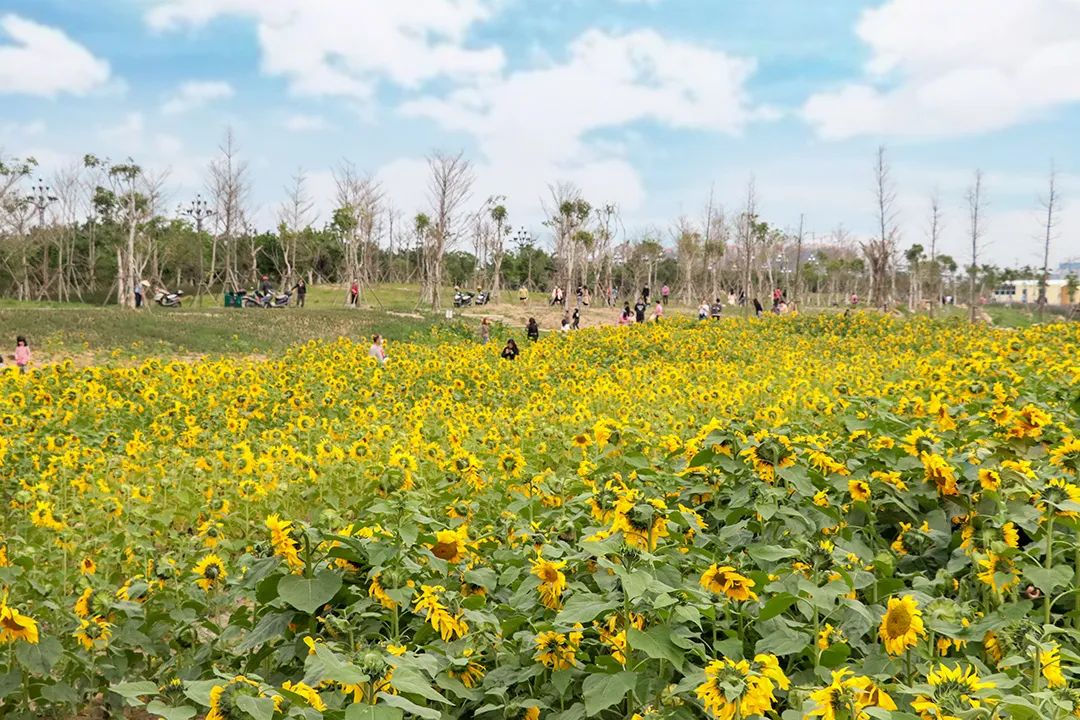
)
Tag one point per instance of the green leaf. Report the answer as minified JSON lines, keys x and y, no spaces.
{"x":771,"y":553}
{"x":10,"y":682}
{"x":409,"y":680}
{"x":372,"y":712}
{"x":410,"y":707}
{"x":334,"y":668}
{"x":170,"y":713}
{"x":40,"y":657}
{"x":133,"y":690}
{"x":60,"y":693}
{"x":260,"y":708}
{"x":271,"y":626}
{"x":1049,"y":581}
{"x":308,"y":595}
{"x":836,"y":655}
{"x":656,"y":643}
{"x":199,"y":690}
{"x":583,"y":607}
{"x":603,"y":691}
{"x":783,"y":642}
{"x":635,"y":582}
{"x":776,"y":604}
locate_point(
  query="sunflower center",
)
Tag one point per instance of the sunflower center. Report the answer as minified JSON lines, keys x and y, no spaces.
{"x":898,"y":622}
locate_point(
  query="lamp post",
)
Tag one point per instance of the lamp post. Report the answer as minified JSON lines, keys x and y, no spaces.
{"x":523,"y":239}
{"x":41,"y":198}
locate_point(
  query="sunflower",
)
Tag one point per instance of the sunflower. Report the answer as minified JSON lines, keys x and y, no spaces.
{"x":723,"y":580}
{"x":1067,"y":456}
{"x":87,"y":566}
{"x":953,"y":691}
{"x":859,"y":490}
{"x":16,"y":626}
{"x":556,"y":650}
{"x":918,"y":441}
{"x":902,"y":625}
{"x":94,"y":632}
{"x":857,"y":692}
{"x":308,"y":693}
{"x":284,"y":545}
{"x":449,"y":545}
{"x":998,"y":572}
{"x":989,"y":479}
{"x":735,"y":688}
{"x":223,"y":698}
{"x":472,"y":672}
{"x":939,"y":473}
{"x":430,"y":605}
{"x":1050,"y":662}
{"x":552,"y":581}
{"x":209,"y":572}
{"x":1057,"y":492}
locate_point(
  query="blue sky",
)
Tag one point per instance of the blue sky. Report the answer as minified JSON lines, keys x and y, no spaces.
{"x":644,"y":103}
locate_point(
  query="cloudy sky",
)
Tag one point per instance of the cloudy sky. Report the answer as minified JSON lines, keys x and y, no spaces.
{"x":643,"y":103}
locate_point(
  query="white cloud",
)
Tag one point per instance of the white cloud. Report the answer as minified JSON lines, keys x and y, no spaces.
{"x":534,"y":126}
{"x":344,"y":47}
{"x":958,"y":67}
{"x":305,"y":123}
{"x":42,"y":60}
{"x":195,"y":94}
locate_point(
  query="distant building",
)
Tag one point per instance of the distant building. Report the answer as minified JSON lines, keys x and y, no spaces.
{"x":1026,"y":292}
{"x":1069,"y":267}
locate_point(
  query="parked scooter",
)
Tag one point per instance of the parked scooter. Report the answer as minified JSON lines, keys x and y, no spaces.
{"x":267,"y":299}
{"x":482,"y":297}
{"x":164,"y":298}
{"x":462,"y":299}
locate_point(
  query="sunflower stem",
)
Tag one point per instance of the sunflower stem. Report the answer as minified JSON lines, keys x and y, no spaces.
{"x":1035,"y":672}
{"x":1049,"y":564}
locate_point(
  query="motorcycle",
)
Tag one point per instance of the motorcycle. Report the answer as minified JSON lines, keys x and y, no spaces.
{"x":266,"y":300}
{"x":462,"y":299}
{"x":164,"y":298}
{"x":482,"y":298}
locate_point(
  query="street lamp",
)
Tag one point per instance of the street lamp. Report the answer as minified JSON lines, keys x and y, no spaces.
{"x":522,"y":236}
{"x":198,"y":210}
{"x":41,"y":198}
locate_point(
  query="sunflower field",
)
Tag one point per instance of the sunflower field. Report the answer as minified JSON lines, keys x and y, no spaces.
{"x":815,"y":517}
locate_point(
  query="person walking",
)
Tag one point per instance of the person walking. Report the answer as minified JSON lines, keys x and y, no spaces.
{"x":757,"y":308}
{"x":510,"y":352}
{"x":378,"y":349}
{"x":532,"y":331}
{"x":485,"y":331}
{"x":575,"y":323}
{"x":639,"y":310}
{"x":645,"y":294}
{"x":703,"y":310}
{"x":658,"y":312}
{"x":664,"y":292}
{"x":586,"y":297}
{"x":138,"y":294}
{"x":301,"y":292}
{"x":354,"y":293}
{"x":523,"y":295}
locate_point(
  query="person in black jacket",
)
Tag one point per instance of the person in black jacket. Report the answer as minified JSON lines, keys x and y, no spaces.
{"x":533,"y":330}
{"x":510,"y":352}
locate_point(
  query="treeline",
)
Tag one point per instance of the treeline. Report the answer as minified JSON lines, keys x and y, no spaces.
{"x":98,"y":228}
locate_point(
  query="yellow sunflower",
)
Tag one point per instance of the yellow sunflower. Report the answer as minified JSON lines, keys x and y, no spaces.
{"x":209,"y":572}
{"x":15,"y":626}
{"x":723,"y":580}
{"x":902,"y":625}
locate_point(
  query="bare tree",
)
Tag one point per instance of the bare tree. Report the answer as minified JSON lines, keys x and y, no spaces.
{"x":747,"y":228}
{"x":934,"y":233}
{"x":688,"y":245}
{"x":448,"y":188}
{"x":975,"y":232}
{"x":879,"y":250}
{"x":1050,"y":205}
{"x":358,"y":206}
{"x":566,"y":215}
{"x":294,"y":217}
{"x":500,"y":217}
{"x":230,"y":189}
{"x":798,"y":264}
